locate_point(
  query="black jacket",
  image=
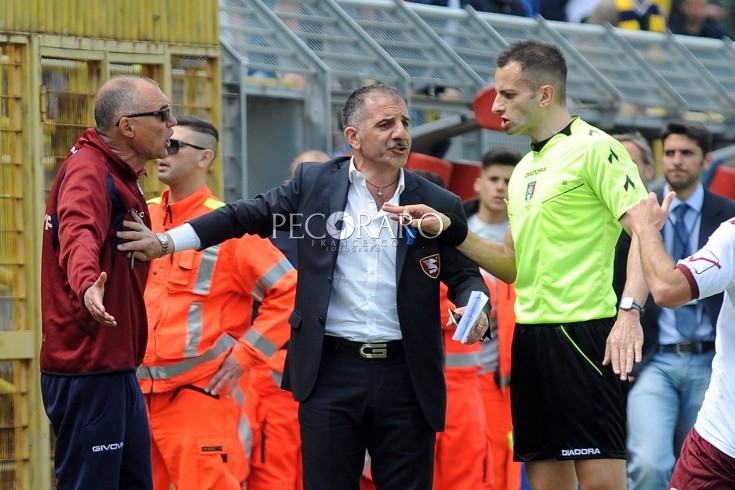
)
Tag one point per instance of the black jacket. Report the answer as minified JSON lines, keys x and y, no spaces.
{"x":317,"y":192}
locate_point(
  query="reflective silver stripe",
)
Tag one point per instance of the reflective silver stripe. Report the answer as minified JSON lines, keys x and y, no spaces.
{"x":245,"y":433}
{"x":239,"y":396}
{"x":462,"y":360}
{"x":167,"y":372}
{"x":193,"y":330}
{"x":260,"y":343}
{"x":267,"y":280}
{"x":206,"y":267}
{"x":202,"y":286}
{"x":277,"y":377}
{"x":244,"y":429}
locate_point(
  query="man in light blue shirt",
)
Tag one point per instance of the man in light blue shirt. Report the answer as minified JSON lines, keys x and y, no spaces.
{"x":671,"y":380}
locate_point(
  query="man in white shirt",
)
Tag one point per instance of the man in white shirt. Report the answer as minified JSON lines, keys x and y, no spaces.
{"x":365,"y":353}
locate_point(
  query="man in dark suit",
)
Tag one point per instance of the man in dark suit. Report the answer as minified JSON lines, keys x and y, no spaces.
{"x":675,"y":369}
{"x":365,"y":357}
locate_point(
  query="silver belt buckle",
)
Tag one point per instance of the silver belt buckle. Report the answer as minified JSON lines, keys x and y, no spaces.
{"x":377,"y":351}
{"x":685,"y":348}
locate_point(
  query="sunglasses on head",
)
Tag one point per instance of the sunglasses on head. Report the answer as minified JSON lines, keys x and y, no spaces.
{"x":176,"y":145}
{"x":163,"y":113}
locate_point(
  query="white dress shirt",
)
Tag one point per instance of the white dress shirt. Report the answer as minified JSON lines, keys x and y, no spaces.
{"x":362,"y":306}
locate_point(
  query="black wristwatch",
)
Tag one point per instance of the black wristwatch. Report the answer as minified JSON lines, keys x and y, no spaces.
{"x":628,"y":303}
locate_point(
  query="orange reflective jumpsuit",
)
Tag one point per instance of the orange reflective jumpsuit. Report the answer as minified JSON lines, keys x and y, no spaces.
{"x":199,"y":306}
{"x":275,"y":463}
{"x":496,"y":389}
{"x":463,"y":457}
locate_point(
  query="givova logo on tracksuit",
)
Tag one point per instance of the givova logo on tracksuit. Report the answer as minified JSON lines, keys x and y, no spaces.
{"x":114,"y":446}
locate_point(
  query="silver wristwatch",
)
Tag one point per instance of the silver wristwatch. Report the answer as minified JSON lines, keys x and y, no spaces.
{"x":163,"y":239}
{"x":628,"y":303}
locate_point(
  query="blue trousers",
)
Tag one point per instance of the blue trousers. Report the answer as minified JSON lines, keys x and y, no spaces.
{"x":102,"y":434}
{"x":663,"y":403}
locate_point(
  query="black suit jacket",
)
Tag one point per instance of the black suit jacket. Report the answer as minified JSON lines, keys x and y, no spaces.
{"x":314,"y":194}
{"x":715,"y":210}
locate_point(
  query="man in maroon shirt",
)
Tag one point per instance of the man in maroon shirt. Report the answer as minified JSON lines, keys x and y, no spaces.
{"x":93,"y":314}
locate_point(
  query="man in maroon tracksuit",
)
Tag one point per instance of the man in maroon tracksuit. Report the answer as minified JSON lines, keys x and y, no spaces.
{"x":93,"y":314}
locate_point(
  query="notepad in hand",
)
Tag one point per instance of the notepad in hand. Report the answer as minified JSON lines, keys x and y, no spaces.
{"x":472,"y":311}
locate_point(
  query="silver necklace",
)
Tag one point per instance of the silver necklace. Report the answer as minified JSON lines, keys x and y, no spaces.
{"x":380,"y":188}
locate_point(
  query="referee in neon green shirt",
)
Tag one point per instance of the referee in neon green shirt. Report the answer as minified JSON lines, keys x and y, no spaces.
{"x":573,"y":348}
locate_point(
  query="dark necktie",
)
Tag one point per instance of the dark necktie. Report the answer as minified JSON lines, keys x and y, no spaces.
{"x":686,"y":316}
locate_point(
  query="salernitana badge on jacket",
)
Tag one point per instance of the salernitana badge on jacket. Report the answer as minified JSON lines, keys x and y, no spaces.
{"x":431,"y":265}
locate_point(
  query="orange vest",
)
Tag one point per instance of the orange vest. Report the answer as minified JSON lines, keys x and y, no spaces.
{"x":199,"y":303}
{"x":503,"y":297}
{"x":459,"y":359}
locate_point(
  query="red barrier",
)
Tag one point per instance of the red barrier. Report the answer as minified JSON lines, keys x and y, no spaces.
{"x":438,"y":166}
{"x":723,"y":181}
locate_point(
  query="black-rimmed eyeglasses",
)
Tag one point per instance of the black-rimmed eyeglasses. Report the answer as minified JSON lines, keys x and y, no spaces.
{"x":163,"y":113}
{"x":177,"y":144}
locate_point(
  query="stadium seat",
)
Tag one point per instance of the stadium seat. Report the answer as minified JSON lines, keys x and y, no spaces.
{"x":482,"y":105}
{"x":438,"y":166}
{"x":464,"y":174}
{"x":723,"y":181}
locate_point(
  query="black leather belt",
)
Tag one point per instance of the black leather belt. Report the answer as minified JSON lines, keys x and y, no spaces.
{"x":688,"y":348}
{"x":371,"y":350}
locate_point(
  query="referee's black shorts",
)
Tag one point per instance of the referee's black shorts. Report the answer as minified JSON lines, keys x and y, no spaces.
{"x":565,"y":404}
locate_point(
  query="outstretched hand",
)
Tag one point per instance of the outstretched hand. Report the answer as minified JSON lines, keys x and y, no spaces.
{"x":93,"y":298}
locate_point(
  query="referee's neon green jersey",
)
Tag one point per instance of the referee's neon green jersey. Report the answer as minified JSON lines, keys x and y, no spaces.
{"x":564,"y":203}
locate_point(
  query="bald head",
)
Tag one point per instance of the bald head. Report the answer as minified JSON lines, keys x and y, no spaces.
{"x":317,"y":156}
{"x":133,"y":117}
{"x":119,"y":96}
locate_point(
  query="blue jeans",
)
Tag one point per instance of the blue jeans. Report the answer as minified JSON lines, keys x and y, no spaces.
{"x":663,"y":403}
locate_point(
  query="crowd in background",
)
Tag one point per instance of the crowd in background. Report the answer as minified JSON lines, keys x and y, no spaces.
{"x":688,"y":17}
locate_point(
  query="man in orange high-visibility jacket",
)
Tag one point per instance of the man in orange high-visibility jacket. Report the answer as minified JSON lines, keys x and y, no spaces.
{"x":496,"y":389}
{"x":275,"y":463}
{"x":463,"y":457}
{"x":200,"y":338}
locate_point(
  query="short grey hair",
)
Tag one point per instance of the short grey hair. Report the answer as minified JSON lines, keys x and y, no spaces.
{"x":640,"y":142}
{"x":353,"y":110}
